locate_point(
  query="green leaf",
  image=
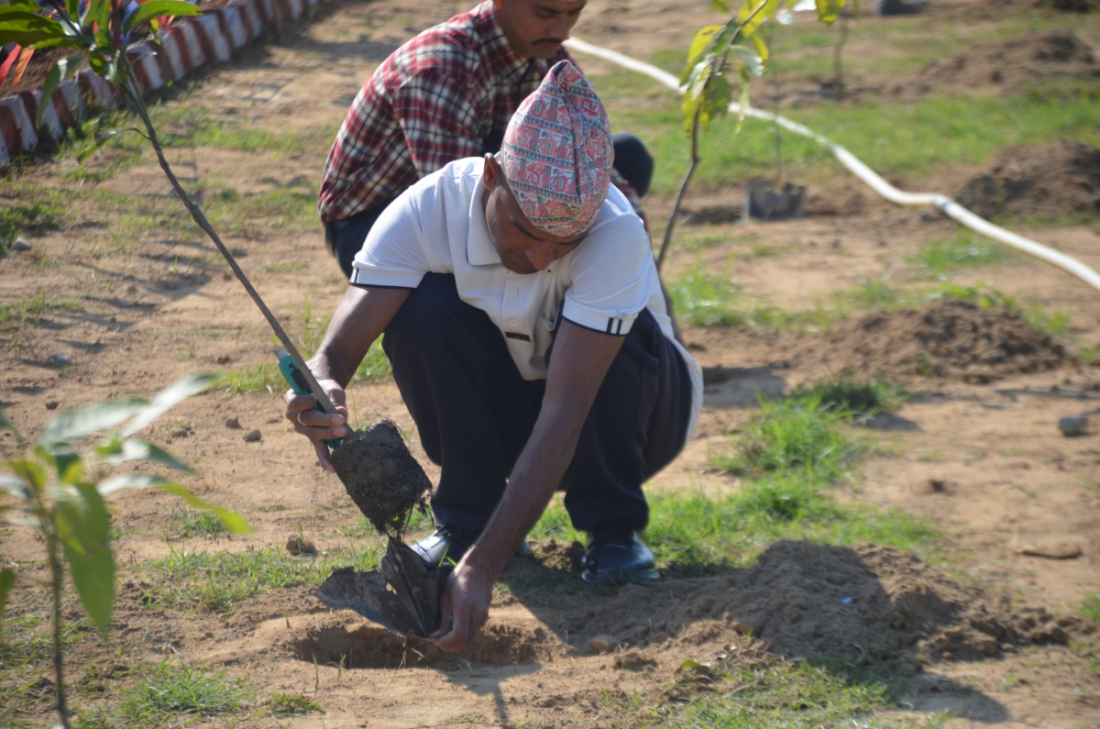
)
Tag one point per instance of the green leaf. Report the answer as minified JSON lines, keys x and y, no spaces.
{"x":84,"y":527}
{"x":30,"y":473}
{"x":72,"y":7}
{"x":73,"y":426}
{"x":232,"y":522}
{"x":26,"y":32}
{"x":761,"y":46}
{"x":17,"y":487}
{"x":716,"y":100}
{"x":827,"y":11}
{"x":168,"y":398}
{"x":53,"y":79}
{"x":66,"y":462}
{"x":750,"y":58}
{"x":747,"y":10}
{"x":102,"y":138}
{"x":693,"y":91}
{"x":133,"y":449}
{"x":698,"y":45}
{"x":156,"y":8}
{"x":720,"y":6}
{"x":7,"y":581}
{"x":742,"y":100}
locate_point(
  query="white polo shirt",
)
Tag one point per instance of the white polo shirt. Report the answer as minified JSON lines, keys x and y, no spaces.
{"x":438,"y":226}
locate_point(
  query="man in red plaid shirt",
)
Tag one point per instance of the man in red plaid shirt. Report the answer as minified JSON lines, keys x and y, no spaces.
{"x":445,"y":95}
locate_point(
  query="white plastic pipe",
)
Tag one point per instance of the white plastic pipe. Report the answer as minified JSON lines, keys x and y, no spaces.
{"x":945,"y":204}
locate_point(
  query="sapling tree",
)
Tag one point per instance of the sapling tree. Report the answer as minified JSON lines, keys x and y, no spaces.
{"x":736,"y":50}
{"x":101,"y":29}
{"x":60,"y":495}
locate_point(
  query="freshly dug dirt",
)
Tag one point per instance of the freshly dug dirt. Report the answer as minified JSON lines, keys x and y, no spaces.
{"x":1013,"y":65}
{"x":801,"y":599}
{"x":942,"y":339}
{"x":381,"y":476}
{"x":1045,"y":181}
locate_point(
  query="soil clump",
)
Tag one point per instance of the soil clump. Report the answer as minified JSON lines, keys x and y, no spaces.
{"x":941,"y":339}
{"x":1043,"y":181}
{"x":879,"y":604}
{"x":381,"y":476}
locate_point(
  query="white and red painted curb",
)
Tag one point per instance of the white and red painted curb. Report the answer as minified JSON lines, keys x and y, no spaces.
{"x":210,"y":37}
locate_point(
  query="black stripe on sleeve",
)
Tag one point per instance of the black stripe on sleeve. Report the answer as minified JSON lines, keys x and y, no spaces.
{"x":606,"y":331}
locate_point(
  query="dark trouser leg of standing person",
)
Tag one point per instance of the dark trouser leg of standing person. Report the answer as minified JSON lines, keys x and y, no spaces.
{"x":344,"y":238}
{"x":633,"y":161}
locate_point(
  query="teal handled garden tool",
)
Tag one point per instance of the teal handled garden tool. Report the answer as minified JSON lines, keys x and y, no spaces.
{"x":297,"y":381}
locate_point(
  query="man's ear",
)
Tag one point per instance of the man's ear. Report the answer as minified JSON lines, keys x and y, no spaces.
{"x":492,"y":171}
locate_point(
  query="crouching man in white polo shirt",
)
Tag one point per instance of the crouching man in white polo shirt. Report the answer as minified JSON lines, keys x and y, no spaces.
{"x":525,"y":322}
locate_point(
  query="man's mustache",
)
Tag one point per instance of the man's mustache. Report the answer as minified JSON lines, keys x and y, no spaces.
{"x":547,"y":42}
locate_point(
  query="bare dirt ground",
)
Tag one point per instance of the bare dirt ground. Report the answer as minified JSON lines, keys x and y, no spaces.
{"x":981,"y":456}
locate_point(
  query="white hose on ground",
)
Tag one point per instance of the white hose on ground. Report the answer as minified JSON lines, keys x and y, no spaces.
{"x":945,"y":204}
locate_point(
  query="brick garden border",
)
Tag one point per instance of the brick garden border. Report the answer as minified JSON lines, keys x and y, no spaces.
{"x":211,"y":37}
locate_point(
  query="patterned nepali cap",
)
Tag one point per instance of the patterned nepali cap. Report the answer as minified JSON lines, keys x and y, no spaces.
{"x":557,"y":153}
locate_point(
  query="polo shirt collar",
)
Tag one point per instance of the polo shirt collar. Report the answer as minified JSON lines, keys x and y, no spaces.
{"x":480,"y":250}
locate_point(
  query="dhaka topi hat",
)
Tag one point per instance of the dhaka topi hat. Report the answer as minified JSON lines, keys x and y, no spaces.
{"x":557,"y":153}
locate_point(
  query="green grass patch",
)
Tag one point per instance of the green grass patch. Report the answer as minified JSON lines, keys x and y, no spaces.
{"x":961,"y":250}
{"x":191,"y":523}
{"x":691,"y":533}
{"x":258,"y":378}
{"x":704,"y":299}
{"x":857,"y":398}
{"x":799,"y":436}
{"x":290,"y":704}
{"x":33,"y":218}
{"x":177,"y":688}
{"x":218,"y":582}
{"x":893,"y":137}
{"x":779,"y":694}
{"x":281,"y":267}
{"x":1090,"y":606}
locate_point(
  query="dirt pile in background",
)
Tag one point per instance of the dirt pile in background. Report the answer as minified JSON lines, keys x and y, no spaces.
{"x":1048,"y":181}
{"x":941,"y":339}
{"x":1013,"y":65}
{"x":802,"y":599}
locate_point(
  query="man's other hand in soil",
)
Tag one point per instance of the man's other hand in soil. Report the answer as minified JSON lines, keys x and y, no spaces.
{"x":521,"y":312}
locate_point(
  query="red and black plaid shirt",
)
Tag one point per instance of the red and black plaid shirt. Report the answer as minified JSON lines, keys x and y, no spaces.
{"x":445,"y":95}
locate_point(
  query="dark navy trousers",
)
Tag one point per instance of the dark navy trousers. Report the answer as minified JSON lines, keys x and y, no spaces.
{"x":475,"y":412}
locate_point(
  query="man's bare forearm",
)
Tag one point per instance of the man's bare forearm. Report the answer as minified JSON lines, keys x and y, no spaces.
{"x":360,"y":319}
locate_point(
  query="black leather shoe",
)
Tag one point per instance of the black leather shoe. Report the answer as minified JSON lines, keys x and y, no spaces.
{"x":616,"y":558}
{"x":450,"y":543}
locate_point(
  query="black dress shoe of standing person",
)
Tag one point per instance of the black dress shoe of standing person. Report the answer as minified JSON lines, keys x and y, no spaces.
{"x":616,"y":558}
{"x":450,"y":543}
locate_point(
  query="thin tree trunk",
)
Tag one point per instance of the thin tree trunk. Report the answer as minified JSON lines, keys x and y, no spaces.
{"x":683,"y":188}
{"x":196,"y":213}
{"x":838,"y":52}
{"x":58,"y":657}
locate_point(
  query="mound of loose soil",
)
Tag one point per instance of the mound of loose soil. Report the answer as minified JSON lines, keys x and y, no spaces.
{"x":1011,"y":65}
{"x":1051,"y":181}
{"x":381,"y":476}
{"x":942,"y":339}
{"x":804,"y":599}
